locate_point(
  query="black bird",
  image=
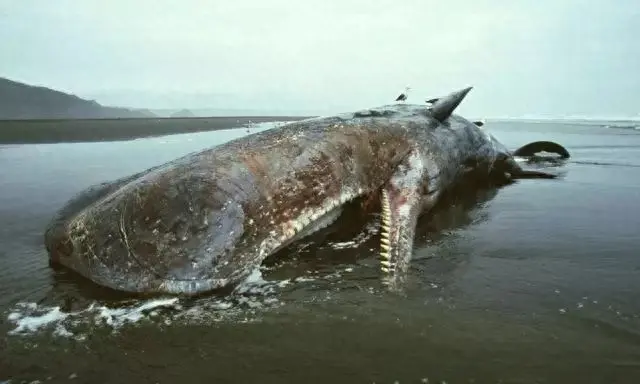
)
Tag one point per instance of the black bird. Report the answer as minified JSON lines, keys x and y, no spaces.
{"x":403,"y":96}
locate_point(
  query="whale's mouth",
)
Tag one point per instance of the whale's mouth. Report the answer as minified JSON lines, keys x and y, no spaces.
{"x":397,"y":228}
{"x":387,"y":265}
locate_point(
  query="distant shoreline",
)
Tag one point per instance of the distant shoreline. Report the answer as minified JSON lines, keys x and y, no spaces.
{"x":50,"y":131}
{"x":42,"y":131}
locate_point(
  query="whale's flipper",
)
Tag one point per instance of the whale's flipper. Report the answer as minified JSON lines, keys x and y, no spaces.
{"x":444,"y":107}
{"x":531,"y":149}
{"x":401,"y":201}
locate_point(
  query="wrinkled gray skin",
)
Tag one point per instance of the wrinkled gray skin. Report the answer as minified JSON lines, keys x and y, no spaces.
{"x":208,"y":219}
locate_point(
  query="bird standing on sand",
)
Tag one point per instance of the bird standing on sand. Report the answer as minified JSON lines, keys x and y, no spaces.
{"x":403,"y":96}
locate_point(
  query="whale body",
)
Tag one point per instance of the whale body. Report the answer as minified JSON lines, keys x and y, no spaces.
{"x":208,"y":219}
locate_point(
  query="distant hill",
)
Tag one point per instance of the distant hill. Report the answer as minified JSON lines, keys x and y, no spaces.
{"x":20,"y":101}
{"x":183,"y":113}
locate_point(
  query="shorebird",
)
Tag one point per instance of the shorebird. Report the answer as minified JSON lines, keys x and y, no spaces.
{"x":403,"y":96}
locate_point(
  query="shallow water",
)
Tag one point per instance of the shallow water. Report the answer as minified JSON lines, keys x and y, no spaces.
{"x":534,"y":283}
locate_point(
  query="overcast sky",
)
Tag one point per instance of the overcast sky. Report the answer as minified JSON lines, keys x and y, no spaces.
{"x":544,"y":57}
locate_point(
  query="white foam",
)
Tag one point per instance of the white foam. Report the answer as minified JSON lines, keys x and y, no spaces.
{"x":36,"y":322}
{"x":255,"y":284}
{"x":244,"y":305}
{"x":31,"y":318}
{"x":304,"y":279}
{"x":253,"y":294}
{"x":344,"y":244}
{"x":116,"y":317}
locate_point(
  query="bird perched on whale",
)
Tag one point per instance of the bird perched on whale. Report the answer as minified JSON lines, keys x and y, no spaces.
{"x":403,"y":96}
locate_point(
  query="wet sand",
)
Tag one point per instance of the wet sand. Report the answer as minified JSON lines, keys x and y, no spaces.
{"x":94,"y":130}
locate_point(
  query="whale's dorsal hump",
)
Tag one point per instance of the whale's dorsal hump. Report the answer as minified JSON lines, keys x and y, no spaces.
{"x":444,"y":106}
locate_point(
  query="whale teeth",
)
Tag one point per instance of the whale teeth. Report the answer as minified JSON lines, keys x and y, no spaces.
{"x":297,"y":226}
{"x":386,"y":265}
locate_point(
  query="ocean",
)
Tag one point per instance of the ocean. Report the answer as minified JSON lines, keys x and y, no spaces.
{"x":536,"y":282}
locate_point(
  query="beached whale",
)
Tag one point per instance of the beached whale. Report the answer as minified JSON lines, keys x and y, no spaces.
{"x":208,"y":219}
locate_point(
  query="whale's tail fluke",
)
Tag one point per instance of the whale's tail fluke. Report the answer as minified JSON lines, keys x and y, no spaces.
{"x":530,"y":152}
{"x":535,"y":147}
